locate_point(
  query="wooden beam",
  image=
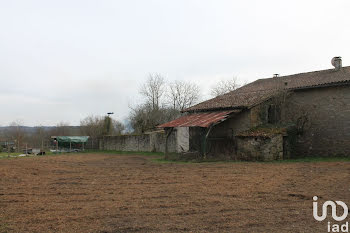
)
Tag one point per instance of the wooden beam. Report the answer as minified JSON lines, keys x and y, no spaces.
{"x":168,"y":132}
{"x":205,"y":140}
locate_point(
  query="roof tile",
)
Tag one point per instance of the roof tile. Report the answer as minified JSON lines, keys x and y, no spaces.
{"x":262,"y":89}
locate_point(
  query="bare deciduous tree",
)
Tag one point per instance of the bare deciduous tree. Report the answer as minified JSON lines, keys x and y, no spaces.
{"x":16,"y":133}
{"x":143,"y":117}
{"x":61,"y":129}
{"x":163,"y":102}
{"x":118,"y":127}
{"x":224,"y":86}
{"x":182,"y":94}
{"x":92,"y":126}
{"x":39,"y":137}
{"x":95,"y":126}
{"x":154,"y":89}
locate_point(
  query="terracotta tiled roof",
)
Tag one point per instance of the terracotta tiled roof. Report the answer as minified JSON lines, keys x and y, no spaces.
{"x":204,"y":119}
{"x":263,"y":89}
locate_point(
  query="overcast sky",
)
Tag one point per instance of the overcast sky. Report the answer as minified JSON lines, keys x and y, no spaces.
{"x":66,"y":59}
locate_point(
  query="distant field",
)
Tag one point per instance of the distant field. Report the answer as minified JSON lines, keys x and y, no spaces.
{"x":132,"y":193}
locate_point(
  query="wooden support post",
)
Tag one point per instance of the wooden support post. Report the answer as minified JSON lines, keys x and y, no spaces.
{"x":70,"y":146}
{"x":168,"y":132}
{"x":205,"y":141}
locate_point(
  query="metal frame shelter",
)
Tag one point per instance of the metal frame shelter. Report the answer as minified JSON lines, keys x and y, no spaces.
{"x":205,"y":120}
{"x":64,"y":141}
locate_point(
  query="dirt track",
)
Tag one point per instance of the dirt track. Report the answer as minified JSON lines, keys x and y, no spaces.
{"x":119,"y":193}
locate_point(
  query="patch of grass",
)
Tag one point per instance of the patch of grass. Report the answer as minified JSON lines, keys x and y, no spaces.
{"x":145,"y":153}
{"x":3,"y":226}
{"x":314,"y":160}
{"x":163,"y":160}
{"x":49,"y":153}
{"x":6,"y":155}
{"x":174,"y":158}
{"x":183,"y":159}
{"x":191,"y":158}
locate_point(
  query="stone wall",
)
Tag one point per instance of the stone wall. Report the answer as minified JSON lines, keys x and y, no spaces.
{"x":268,"y":112}
{"x":126,"y":143}
{"x":259,"y":148}
{"x":157,"y":142}
{"x":154,"y":142}
{"x":238,"y":123}
{"x":92,"y":144}
{"x":258,"y":115}
{"x":322,"y":117}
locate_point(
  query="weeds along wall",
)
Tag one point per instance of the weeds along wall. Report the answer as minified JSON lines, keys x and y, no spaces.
{"x":154,"y":142}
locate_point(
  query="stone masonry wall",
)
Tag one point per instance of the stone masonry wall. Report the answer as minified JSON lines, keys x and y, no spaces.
{"x":154,"y":142}
{"x":92,"y":144}
{"x":232,"y":126}
{"x":260,"y":148}
{"x":322,"y":116}
{"x":157,"y":142}
{"x":258,"y":115}
{"x":126,"y":143}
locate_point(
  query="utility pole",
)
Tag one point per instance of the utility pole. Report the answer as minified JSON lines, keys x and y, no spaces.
{"x":108,"y":123}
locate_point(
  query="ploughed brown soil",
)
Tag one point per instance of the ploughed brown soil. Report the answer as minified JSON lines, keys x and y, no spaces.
{"x":126,"y":193}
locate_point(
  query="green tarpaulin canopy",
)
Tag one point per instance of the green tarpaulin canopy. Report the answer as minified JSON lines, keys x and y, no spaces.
{"x":76,"y":139}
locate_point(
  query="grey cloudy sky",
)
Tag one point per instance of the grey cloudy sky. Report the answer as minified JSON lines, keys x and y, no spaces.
{"x":63,"y":60}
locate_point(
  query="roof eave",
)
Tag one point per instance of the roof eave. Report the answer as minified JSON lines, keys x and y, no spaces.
{"x":214,"y":109}
{"x":341,"y":83}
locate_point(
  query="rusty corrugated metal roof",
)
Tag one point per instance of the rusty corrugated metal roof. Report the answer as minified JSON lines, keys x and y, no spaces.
{"x":204,"y":119}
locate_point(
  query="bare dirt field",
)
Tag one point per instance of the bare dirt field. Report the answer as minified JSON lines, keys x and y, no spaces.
{"x":131,"y":193}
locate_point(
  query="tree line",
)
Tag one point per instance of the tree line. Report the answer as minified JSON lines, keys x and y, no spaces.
{"x":163,"y":101}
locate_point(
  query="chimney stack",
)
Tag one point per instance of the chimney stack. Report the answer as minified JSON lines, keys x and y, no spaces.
{"x":337,"y":63}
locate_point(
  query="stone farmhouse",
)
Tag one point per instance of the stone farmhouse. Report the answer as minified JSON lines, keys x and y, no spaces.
{"x":306,"y":114}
